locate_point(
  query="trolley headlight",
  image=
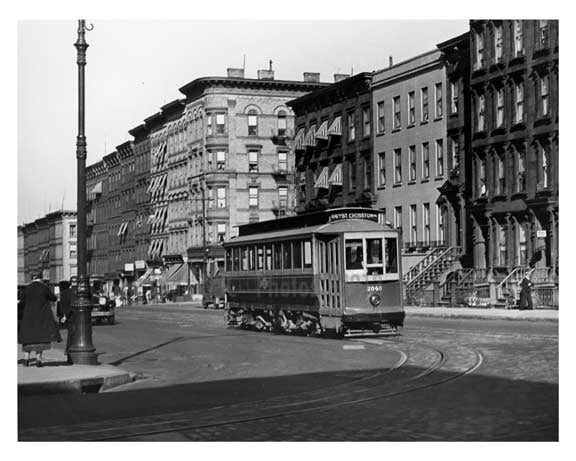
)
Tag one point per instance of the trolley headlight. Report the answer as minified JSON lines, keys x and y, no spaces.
{"x":375,"y":300}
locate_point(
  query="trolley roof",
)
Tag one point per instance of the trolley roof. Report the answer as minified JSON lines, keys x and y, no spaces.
{"x":348,"y":225}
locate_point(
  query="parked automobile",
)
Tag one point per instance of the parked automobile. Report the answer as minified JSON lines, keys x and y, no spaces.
{"x":104,"y":310}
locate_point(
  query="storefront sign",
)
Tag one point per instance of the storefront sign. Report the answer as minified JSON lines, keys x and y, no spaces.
{"x":129,"y":267}
{"x":140,"y":265}
{"x":541,"y":234}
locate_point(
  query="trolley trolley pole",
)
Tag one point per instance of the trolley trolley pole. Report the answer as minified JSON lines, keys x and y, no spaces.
{"x":81,"y":351}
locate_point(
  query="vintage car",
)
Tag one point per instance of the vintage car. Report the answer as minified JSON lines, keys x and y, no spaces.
{"x":104,"y":310}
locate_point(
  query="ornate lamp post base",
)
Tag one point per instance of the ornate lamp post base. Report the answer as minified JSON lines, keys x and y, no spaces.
{"x":81,"y":351}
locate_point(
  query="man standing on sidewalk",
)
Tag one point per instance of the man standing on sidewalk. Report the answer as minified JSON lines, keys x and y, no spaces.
{"x":66,"y":295}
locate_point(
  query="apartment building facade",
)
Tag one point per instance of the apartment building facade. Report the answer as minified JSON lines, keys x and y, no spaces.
{"x":410,"y":149}
{"x":96,"y":220}
{"x":514,"y":198}
{"x":240,"y":168}
{"x":333,"y":145}
{"x":49,"y":247}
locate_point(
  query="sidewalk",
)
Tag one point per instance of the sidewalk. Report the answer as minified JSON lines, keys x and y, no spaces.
{"x":56,"y":376}
{"x":479,"y":313}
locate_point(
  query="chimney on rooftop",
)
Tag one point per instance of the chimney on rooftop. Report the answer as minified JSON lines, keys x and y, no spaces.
{"x":312,"y":77}
{"x":235,"y":72}
{"x":340,"y":77}
{"x":390,"y":61}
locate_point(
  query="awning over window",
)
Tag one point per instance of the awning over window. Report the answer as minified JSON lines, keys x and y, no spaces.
{"x":151,"y":185}
{"x":336,"y":176}
{"x":179,"y":276}
{"x":322,"y":132}
{"x":144,"y":279}
{"x":299,"y":140}
{"x":336,"y":127}
{"x":97,"y":189}
{"x":310,"y":139}
{"x":168,"y":273}
{"x":322,"y":180}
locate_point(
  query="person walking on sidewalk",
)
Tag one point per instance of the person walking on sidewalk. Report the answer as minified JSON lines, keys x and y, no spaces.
{"x":526,"y":284}
{"x":38,"y":329}
{"x":66,"y":296}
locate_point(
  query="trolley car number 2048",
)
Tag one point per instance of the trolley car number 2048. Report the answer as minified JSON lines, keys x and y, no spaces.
{"x":372,"y":288}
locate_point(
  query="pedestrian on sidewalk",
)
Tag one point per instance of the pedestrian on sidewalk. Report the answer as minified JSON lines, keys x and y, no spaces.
{"x":66,"y":296}
{"x":526,"y":284}
{"x":39,"y":328}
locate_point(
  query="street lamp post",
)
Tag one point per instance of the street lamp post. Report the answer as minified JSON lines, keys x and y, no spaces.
{"x":81,"y":350}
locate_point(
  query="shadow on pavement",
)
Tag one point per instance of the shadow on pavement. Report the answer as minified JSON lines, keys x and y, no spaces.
{"x":473,"y":407}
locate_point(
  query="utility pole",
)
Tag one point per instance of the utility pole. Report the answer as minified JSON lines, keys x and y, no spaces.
{"x":204,"y":245}
{"x":81,"y":351}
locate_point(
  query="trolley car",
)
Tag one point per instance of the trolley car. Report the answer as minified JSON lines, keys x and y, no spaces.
{"x":334,"y":271}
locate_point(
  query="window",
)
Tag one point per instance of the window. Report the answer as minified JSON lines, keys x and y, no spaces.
{"x":518,"y":38}
{"x":479,"y":50}
{"x":544,"y":163}
{"x":424,"y":103}
{"x":453,"y":97}
{"x":502,"y":245}
{"x":396,"y":110}
{"x":426,"y":219}
{"x":543,"y":34}
{"x":220,"y":124}
{"x":499,"y":107}
{"x":501,"y":174}
{"x":210,"y":197}
{"x":498,"y":42}
{"x":397,"y":166}
{"x":439,"y":157}
{"x":351,"y":174}
{"x":398,"y":217}
{"x":425,"y":160}
{"x":382,"y":169}
{"x":297,"y":254}
{"x":283,"y":196}
{"x":287,"y":255}
{"x":72,"y":231}
{"x":438,"y":109}
{"x":367,"y":172}
{"x":251,"y":258}
{"x":72,"y":251}
{"x":282,"y":123}
{"x":221,"y":197}
{"x":413,"y":225}
{"x":268,"y":259}
{"x":480,"y":112}
{"x":307,"y":254}
{"x":354,"y":254}
{"x":366,"y":121}
{"x":519,"y":102}
{"x":412,"y":160}
{"x":221,"y":160}
{"x":521,"y":180}
{"x":221,"y":232}
{"x":252,"y":122}
{"x":253,"y":197}
{"x":522,"y":246}
{"x":351,"y":126}
{"x":282,"y":161}
{"x":380,"y":116}
{"x":374,"y":257}
{"x":277,"y":256}
{"x":253,"y":161}
{"x":544,"y":95}
{"x":411,"y":109}
{"x":391,"y":256}
{"x":482,"y":178}
{"x":440,"y":222}
{"x":209,"y":127}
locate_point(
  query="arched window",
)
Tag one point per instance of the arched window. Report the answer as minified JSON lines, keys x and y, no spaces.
{"x":281,"y":123}
{"x":252,"y":122}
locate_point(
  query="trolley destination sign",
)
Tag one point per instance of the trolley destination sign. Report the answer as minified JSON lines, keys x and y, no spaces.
{"x":369,"y":215}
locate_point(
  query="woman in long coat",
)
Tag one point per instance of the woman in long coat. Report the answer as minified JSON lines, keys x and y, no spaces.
{"x":38,"y":328}
{"x":526,"y":292}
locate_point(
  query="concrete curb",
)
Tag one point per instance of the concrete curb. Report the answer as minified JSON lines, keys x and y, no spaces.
{"x":505,"y":315}
{"x":100,"y":378}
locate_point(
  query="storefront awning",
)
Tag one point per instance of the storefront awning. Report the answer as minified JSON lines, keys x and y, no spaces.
{"x":169,"y":272}
{"x":322,"y":180}
{"x":179,"y":276}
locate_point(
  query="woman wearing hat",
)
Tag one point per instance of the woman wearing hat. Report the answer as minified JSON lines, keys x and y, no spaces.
{"x":38,"y":328}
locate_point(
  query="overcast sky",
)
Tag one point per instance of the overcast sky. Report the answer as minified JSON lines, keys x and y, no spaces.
{"x":134,"y":67}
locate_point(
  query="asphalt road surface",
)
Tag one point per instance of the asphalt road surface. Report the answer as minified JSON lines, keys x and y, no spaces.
{"x":440,"y":380}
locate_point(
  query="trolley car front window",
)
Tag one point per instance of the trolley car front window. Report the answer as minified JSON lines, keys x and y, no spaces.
{"x":354,"y":254}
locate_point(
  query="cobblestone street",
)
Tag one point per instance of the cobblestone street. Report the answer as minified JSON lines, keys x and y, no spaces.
{"x":440,"y":380}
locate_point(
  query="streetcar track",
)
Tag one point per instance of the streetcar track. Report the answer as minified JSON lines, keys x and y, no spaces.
{"x":172,"y":425}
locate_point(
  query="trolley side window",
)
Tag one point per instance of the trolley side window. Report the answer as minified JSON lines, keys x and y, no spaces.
{"x":269,"y":257}
{"x":228,"y":259}
{"x":297,"y":254}
{"x":277,"y":256}
{"x":287,"y":255}
{"x":259,"y":257}
{"x":244,"y":257}
{"x":236,"y":259}
{"x":251,"y":258}
{"x":391,"y":256}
